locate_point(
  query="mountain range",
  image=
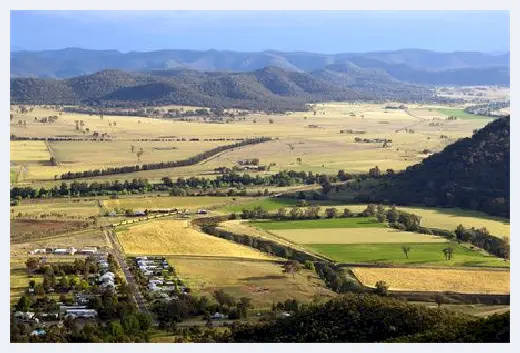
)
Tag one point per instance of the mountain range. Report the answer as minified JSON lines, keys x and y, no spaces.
{"x":408,"y":65}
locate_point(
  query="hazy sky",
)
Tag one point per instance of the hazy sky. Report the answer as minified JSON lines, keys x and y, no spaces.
{"x":314,"y":31}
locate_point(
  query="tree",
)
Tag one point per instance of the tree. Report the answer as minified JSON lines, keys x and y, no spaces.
{"x":23,"y":304}
{"x":448,"y":253}
{"x":347,"y":213}
{"x":64,"y":284}
{"x":139,"y":154}
{"x":291,"y":266}
{"x":132,"y":147}
{"x":32,"y":283}
{"x":32,"y":263}
{"x":331,"y":212}
{"x":295,"y":213}
{"x":374,"y":172}
{"x":223,"y":299}
{"x":392,"y":215}
{"x":439,"y":300}
{"x":271,"y":121}
{"x":370,"y":211}
{"x":281,"y":212}
{"x":309,"y":265}
{"x":381,"y":288}
{"x":406,"y":250}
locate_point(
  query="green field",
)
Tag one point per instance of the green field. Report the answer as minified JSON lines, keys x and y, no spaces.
{"x":272,"y":204}
{"x":460,"y":113}
{"x":361,"y":222}
{"x":420,"y":254}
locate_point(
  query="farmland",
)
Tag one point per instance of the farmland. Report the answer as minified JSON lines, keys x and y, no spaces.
{"x":457,"y":280}
{"x":141,"y":203}
{"x":430,"y":254}
{"x":361,"y":222}
{"x":359,"y":235}
{"x":321,"y":149}
{"x":262,"y":281}
{"x":173,"y":237}
{"x":459,"y":113}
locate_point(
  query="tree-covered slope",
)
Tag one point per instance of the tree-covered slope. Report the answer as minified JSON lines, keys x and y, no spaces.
{"x":472,"y":173}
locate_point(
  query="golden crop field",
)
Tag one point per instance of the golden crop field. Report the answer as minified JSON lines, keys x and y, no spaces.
{"x":428,"y":279}
{"x":354,"y":236}
{"x":262,"y":281}
{"x":449,"y":218}
{"x":29,"y":152}
{"x":173,"y":237}
{"x":144,"y":202}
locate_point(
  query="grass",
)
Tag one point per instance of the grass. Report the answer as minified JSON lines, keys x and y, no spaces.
{"x":457,"y":280}
{"x":361,"y":222}
{"x":263,"y":282}
{"x":448,"y":218}
{"x":148,"y":201}
{"x":460,"y":113}
{"x":272,"y":204}
{"x":29,"y":152}
{"x":478,"y":310}
{"x":172,"y":237}
{"x":355,"y":236}
{"x":322,"y":150}
{"x":420,"y":254}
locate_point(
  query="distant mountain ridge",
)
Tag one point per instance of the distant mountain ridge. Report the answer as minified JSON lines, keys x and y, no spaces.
{"x":408,"y":65}
{"x":269,"y":88}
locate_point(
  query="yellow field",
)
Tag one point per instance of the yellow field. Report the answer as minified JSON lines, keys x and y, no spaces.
{"x":29,"y":152}
{"x":462,"y":281}
{"x":322,"y":149}
{"x":79,"y":239}
{"x":449,"y":218}
{"x":354,"y":236}
{"x":141,"y":203}
{"x":172,"y":237}
{"x":263,"y":281}
{"x":53,"y":207}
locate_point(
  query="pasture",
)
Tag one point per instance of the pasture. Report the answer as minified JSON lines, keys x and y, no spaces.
{"x":262,"y":281}
{"x":322,"y":148}
{"x":427,"y":279}
{"x":355,"y":236}
{"x":447,"y":218}
{"x":427,"y":254}
{"x":357,"y":222}
{"x":150,"y":202}
{"x":460,"y":113}
{"x":174,"y":237}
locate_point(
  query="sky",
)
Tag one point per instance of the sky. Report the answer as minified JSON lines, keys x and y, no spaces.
{"x":312,"y":31}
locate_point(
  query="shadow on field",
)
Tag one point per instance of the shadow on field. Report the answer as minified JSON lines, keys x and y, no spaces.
{"x":262,"y":278}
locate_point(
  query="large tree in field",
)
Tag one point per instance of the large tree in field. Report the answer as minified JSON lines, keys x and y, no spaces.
{"x":291,"y":266}
{"x":406,"y":250}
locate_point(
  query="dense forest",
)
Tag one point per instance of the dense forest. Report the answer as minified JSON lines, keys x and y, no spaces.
{"x":368,"y":318}
{"x":472,"y":173}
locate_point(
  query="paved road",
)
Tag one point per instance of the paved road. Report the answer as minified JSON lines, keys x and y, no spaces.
{"x":117,"y":252}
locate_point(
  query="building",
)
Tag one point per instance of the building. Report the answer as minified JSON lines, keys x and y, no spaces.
{"x":38,"y":332}
{"x":38,"y":251}
{"x":81,"y":313}
{"x":60,"y":252}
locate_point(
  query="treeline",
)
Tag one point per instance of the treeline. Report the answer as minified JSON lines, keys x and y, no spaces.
{"x":150,"y":139}
{"x":172,"y":164}
{"x":369,"y":318}
{"x":482,"y":239}
{"x":336,"y":278}
{"x":180,"y":187}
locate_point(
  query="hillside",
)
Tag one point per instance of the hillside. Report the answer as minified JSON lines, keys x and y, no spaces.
{"x":356,"y":318}
{"x":409,"y":65}
{"x":472,"y":173}
{"x":267,"y":88}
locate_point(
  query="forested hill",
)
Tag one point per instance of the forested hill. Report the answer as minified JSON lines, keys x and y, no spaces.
{"x":268,"y":88}
{"x":472,"y":173}
{"x":360,"y":319}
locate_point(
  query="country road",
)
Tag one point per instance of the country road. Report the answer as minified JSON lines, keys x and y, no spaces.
{"x":118,"y":253}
